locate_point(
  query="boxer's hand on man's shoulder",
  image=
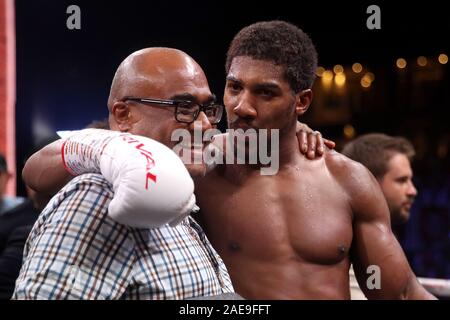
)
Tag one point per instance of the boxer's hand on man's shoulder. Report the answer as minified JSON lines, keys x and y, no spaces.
{"x":151,"y":184}
{"x":311,"y":143}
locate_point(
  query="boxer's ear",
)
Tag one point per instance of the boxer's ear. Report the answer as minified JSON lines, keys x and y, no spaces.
{"x":303,"y":101}
{"x":122,"y":115}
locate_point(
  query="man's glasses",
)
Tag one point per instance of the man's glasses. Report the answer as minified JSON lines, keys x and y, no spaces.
{"x":185,"y":111}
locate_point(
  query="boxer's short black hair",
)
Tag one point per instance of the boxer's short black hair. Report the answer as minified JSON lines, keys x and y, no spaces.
{"x":282,"y":43}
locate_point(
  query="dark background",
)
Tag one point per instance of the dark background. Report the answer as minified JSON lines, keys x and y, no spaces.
{"x":63,"y":78}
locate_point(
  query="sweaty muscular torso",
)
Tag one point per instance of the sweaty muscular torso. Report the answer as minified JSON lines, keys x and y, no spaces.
{"x":285,"y":236}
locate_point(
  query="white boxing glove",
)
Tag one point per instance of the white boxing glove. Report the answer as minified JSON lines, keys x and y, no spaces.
{"x":152,"y":186}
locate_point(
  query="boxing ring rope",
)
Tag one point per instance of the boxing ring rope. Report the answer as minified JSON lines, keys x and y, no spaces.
{"x":438,"y":287}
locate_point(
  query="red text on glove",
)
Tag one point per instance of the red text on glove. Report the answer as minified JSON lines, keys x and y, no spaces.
{"x":148,"y":156}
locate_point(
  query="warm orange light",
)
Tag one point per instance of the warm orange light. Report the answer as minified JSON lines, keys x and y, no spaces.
{"x":349,"y":131}
{"x":365,"y":82}
{"x":357,"y":67}
{"x":443,"y":58}
{"x":422,"y":61}
{"x":369,"y":76}
{"x":338,"y":69}
{"x":320,"y":71}
{"x":401,"y":63}
{"x":327,"y":78}
{"x":339,"y":79}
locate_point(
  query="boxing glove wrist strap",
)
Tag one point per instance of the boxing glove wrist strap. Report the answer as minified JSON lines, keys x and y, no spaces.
{"x":81,"y":152}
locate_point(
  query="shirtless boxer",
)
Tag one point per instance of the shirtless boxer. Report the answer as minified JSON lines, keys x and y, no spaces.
{"x":293,"y":235}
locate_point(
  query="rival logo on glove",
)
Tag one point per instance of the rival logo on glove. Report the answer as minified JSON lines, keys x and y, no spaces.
{"x":148,"y":156}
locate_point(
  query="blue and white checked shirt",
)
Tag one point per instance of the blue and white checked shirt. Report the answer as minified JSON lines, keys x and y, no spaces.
{"x":75,"y":251}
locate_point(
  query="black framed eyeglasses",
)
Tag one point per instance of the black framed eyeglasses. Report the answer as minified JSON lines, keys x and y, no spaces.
{"x":186,"y":111}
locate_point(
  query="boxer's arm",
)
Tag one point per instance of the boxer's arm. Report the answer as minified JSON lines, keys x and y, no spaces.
{"x":381,"y":267}
{"x":44,"y":171}
{"x":151,"y":184}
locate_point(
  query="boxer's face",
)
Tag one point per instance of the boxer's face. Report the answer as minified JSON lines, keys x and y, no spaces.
{"x":398,"y":188}
{"x":257,"y":95}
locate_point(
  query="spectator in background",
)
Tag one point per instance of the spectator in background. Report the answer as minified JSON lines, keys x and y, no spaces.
{"x":6,"y":202}
{"x":16,"y":221}
{"x":389,"y":160}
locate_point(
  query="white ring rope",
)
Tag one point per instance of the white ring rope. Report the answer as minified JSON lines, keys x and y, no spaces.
{"x":439,"y":287}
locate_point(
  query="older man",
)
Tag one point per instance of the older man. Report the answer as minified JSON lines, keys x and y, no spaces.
{"x":76,"y":250}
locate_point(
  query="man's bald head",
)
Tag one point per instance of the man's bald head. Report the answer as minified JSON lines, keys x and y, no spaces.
{"x":152,"y":69}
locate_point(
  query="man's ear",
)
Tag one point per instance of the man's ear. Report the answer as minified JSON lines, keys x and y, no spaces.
{"x":303,"y":101}
{"x":122,"y":115}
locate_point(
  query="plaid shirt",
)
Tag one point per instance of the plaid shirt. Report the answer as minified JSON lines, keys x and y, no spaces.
{"x":75,"y":251}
